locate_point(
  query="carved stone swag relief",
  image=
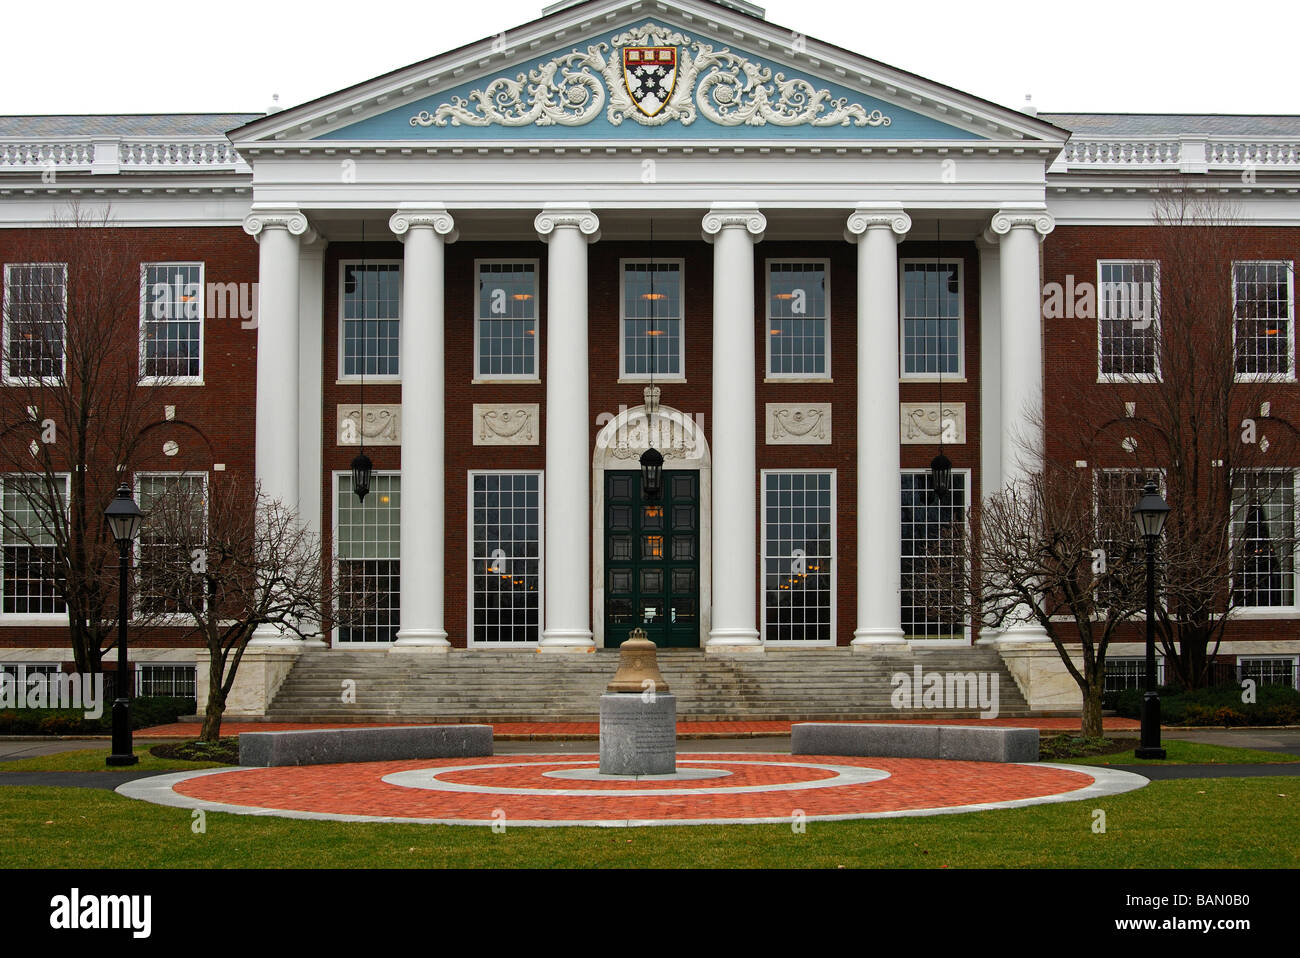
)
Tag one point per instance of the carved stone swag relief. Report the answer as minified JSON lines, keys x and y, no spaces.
{"x":799,"y":424}
{"x":506,"y":424}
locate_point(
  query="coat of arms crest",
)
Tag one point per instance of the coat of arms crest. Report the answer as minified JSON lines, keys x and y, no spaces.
{"x":649,"y":76}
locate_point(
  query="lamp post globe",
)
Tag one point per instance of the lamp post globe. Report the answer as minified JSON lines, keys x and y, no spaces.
{"x":124,"y":520}
{"x":1150,"y":514}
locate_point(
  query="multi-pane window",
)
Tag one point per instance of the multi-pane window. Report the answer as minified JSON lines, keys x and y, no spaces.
{"x":931,"y":304}
{"x":370,"y":313}
{"x":798,"y":324}
{"x":35,"y":318}
{"x":171,"y":321}
{"x":368,"y":546}
{"x":798,"y":556}
{"x":31,"y":565}
{"x":930,"y":602}
{"x":506,"y":556}
{"x":506,"y":345}
{"x":1270,"y":670}
{"x":1264,"y":318}
{"x":1263,"y":538}
{"x":1117,"y":492}
{"x":1130,"y":672}
{"x":1128,"y":319}
{"x":652,"y":319}
{"x":174,"y":681}
{"x":176,"y":509}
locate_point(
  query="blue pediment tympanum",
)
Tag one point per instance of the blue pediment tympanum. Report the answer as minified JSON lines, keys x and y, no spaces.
{"x":650,"y":81}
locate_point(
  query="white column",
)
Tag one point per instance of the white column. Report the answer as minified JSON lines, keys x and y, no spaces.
{"x":425,"y":233}
{"x":878,"y":232}
{"x":311,"y":325}
{"x":733,"y":231}
{"x":278,"y":233}
{"x":1023,"y":440}
{"x":567,"y":616}
{"x":990,"y":380}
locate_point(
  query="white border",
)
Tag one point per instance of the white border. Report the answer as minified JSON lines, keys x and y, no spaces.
{"x":5,"y":378}
{"x":32,"y":618}
{"x":145,"y":303}
{"x":180,"y":618}
{"x":1295,"y":665}
{"x":470,"y":642}
{"x":1290,"y":320}
{"x":401,"y":317}
{"x":806,"y":377}
{"x":834,"y":571}
{"x":960,"y":374}
{"x":335,"y":642}
{"x":623,"y":375}
{"x":1104,"y":377}
{"x":536,"y":375}
{"x":929,"y":643}
{"x":1276,"y":611}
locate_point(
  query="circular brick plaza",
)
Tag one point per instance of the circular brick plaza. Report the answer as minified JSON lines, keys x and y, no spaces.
{"x":709,"y":788}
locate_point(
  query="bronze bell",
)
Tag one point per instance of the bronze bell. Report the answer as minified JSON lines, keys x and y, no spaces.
{"x":636,"y":664}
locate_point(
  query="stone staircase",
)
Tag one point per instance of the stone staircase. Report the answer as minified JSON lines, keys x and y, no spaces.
{"x":492,"y":686}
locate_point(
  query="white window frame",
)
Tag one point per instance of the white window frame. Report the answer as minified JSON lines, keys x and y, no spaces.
{"x":470,"y":641}
{"x":960,"y":374}
{"x":1141,"y":659}
{"x":5,"y":349}
{"x":146,"y":305}
{"x":1290,"y":375}
{"x":31,"y":618}
{"x":401,"y":319}
{"x":623,"y":375}
{"x":825,"y":263}
{"x":1105,"y":377}
{"x":1294,"y":659}
{"x":179,"y":617}
{"x":141,"y":666}
{"x":536,"y":374}
{"x":1273,"y":611}
{"x":833,"y":572}
{"x":925,"y":643}
{"x":335,"y":641}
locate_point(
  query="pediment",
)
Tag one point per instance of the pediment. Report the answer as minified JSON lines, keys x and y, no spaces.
{"x":692,"y":71}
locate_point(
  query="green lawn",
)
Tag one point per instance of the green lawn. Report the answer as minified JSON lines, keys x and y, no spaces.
{"x":1190,"y":753}
{"x":1227,"y":823}
{"x":92,"y":760}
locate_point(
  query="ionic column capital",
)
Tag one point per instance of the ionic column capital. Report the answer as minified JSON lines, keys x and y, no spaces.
{"x":423,"y":217}
{"x":720,"y":217}
{"x":285,"y":218}
{"x":580,"y":218}
{"x":1004,"y":221}
{"x":863,"y":219}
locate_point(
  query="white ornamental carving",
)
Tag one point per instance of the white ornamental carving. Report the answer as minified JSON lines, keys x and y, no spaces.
{"x":379,"y":426}
{"x":666,"y":433}
{"x":799,"y":424}
{"x":728,"y":88}
{"x":505,"y":424}
{"x":921,"y":425}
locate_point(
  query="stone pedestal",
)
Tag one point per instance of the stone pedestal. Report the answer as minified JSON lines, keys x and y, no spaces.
{"x":638,"y":734}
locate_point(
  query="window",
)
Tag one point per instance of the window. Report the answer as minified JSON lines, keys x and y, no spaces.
{"x":367,"y":542}
{"x":1263,"y":537}
{"x":1130,"y":672}
{"x":653,"y":341}
{"x":1128,"y":318}
{"x":370,"y":320}
{"x":798,"y":324}
{"x":506,"y":556}
{"x":799,"y":556}
{"x":506,"y":338}
{"x":178,"y":504}
{"x":1264,"y":319}
{"x":171,"y":321}
{"x":928,"y":613}
{"x":35,"y":314}
{"x":174,"y":681}
{"x":1271,"y":670}
{"x":1117,"y":491}
{"x":31,"y":567}
{"x":932,"y":318}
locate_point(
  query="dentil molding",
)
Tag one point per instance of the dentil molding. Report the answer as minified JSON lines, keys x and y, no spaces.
{"x":798,"y":424}
{"x":920,"y":424}
{"x":506,"y":424}
{"x":381,"y":425}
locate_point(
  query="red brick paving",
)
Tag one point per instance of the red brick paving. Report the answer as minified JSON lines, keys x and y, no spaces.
{"x":358,"y":789}
{"x":550,"y":730}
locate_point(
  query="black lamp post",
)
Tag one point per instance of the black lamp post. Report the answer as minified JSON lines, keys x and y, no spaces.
{"x":361,"y":470}
{"x":940,"y":475}
{"x":1150,"y":514}
{"x":124,"y":518}
{"x":652,"y":472}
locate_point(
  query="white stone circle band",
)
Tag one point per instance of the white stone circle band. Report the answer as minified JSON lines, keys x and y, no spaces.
{"x":429,"y":778}
{"x":596,"y":775}
{"x":158,"y":790}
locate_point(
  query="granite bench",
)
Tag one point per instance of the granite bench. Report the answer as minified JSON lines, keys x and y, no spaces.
{"x":330,"y":745}
{"x":957,"y":742}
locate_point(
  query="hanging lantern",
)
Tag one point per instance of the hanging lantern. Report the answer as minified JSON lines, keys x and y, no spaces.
{"x":941,"y":475}
{"x":652,"y":473}
{"x":361,"y":469}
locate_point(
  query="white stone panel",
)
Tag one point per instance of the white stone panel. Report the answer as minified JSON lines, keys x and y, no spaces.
{"x":506,"y":424}
{"x":798,"y":424}
{"x":920,"y":424}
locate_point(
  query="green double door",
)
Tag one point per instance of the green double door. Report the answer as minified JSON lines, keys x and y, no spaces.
{"x":652,"y":560}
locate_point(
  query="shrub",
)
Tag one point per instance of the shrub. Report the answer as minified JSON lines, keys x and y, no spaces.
{"x":1273,"y":705}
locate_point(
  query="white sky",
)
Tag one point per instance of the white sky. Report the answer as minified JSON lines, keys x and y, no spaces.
{"x":173,"y":56}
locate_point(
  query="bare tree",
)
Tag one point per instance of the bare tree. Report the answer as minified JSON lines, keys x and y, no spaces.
{"x":76,"y":419}
{"x":1196,"y":399}
{"x":221,"y":559}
